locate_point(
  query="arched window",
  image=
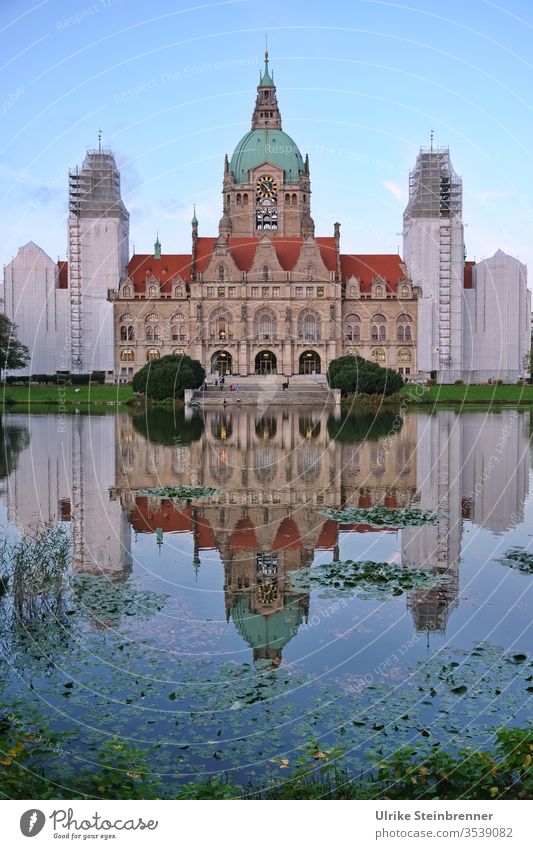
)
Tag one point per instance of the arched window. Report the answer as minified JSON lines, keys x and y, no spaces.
{"x":378,"y":328}
{"x":127,"y":355}
{"x":378,"y":291}
{"x":153,"y":354}
{"x":221,"y":325}
{"x":221,"y":273}
{"x":178,"y":292}
{"x":378,"y":355}
{"x":126,"y":291}
{"x":404,"y":332}
{"x":309,"y":326}
{"x":352,"y":328}
{"x":404,"y":292}
{"x":245,"y":199}
{"x":239,"y":199}
{"x":152,"y":291}
{"x":404,"y":355}
{"x":177,"y":328}
{"x":265,"y":324}
{"x":288,"y":199}
{"x":294,"y":200}
{"x":151,"y":327}
{"x":126,"y":328}
{"x":309,"y":272}
{"x":266,"y":272}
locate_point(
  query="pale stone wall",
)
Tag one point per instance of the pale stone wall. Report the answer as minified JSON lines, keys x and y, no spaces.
{"x":33,"y":301}
{"x":497,"y":326}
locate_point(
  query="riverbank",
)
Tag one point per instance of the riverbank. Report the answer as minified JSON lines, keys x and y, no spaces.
{"x":59,"y":397}
{"x":467,"y":394}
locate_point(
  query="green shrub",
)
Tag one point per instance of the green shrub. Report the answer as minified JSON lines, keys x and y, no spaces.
{"x":168,"y":377}
{"x":352,"y":374}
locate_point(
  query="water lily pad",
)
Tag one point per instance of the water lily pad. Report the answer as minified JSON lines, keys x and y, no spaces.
{"x":180,"y":491}
{"x":383,"y":516}
{"x":519,"y":558}
{"x":366,"y":578}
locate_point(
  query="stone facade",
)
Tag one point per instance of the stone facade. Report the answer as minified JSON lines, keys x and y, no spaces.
{"x":266,"y":296}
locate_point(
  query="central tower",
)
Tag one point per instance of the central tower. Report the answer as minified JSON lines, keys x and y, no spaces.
{"x":266,"y":187}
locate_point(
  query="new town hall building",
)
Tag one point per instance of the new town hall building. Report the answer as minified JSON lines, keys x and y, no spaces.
{"x":266,"y":295}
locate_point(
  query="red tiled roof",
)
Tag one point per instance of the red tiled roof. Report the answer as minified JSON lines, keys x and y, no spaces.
{"x":243,"y":536}
{"x":287,"y":536}
{"x":63,"y":273}
{"x":363,"y":266}
{"x":205,"y":537}
{"x":367,"y":266}
{"x":328,"y":535}
{"x":143,"y":266}
{"x":467,"y":282}
{"x":167,"y":517}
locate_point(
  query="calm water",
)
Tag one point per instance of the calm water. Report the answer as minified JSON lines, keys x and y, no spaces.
{"x":183,"y":628}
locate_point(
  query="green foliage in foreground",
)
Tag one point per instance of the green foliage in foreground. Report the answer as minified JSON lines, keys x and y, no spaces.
{"x":519,"y":558}
{"x":168,"y":377}
{"x":383,"y":516}
{"x":352,"y":374}
{"x":119,"y":771}
{"x":365,"y":578}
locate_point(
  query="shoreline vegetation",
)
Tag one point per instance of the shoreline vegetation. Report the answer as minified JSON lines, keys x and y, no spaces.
{"x":72,"y":397}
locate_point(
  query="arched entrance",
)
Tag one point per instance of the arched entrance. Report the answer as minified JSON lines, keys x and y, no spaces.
{"x":309,"y":363}
{"x":266,"y":363}
{"x":221,"y":363}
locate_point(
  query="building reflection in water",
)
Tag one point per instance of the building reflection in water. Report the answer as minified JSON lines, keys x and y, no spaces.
{"x":276,"y":472}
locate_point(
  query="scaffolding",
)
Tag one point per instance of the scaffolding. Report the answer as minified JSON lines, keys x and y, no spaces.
{"x":94,"y":193}
{"x":435,"y":190}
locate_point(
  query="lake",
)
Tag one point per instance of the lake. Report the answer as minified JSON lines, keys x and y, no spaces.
{"x":209,"y":632}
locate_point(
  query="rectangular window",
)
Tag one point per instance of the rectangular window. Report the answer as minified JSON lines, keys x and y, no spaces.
{"x":299,"y":291}
{"x":308,"y":291}
{"x":408,"y":371}
{"x":265,"y":291}
{"x":210,"y":291}
{"x":320,"y":292}
{"x":275,"y":291}
{"x":255,"y":291}
{"x":221,"y":292}
{"x":231,"y":291}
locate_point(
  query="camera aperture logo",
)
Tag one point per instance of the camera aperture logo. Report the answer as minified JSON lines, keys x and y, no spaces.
{"x":66,"y":824}
{"x":32,"y":822}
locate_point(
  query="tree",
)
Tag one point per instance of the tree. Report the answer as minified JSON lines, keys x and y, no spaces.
{"x":13,"y":354}
{"x":353,"y":374}
{"x":168,"y":377}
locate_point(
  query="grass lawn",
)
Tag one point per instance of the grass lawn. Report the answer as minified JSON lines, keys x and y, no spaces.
{"x":470,"y":394}
{"x":65,"y":395}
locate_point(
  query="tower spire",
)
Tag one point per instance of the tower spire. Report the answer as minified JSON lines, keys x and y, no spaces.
{"x":266,"y":113}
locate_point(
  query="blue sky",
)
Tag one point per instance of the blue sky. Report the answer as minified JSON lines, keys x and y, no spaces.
{"x":360,"y":86}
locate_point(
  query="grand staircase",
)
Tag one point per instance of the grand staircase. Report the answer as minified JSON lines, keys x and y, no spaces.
{"x":266,"y":390}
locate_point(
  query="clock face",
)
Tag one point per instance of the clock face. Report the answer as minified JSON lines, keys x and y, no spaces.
{"x":266,"y":187}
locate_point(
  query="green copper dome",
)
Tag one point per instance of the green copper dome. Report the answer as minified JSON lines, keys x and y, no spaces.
{"x":272,"y":632}
{"x":268,"y":145}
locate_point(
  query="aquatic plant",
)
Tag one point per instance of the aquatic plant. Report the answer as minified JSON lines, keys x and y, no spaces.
{"x":366,"y":578}
{"x":519,"y":558}
{"x":36,"y":569}
{"x":179,"y":491}
{"x":383,"y":516}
